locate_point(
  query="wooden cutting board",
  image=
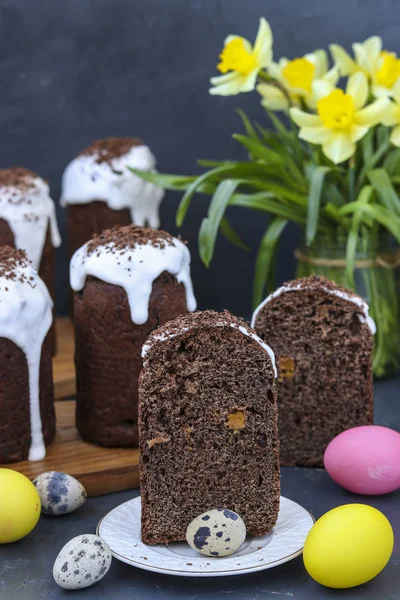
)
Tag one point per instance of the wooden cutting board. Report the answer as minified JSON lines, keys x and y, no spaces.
{"x":100,"y":470}
{"x":63,"y":362}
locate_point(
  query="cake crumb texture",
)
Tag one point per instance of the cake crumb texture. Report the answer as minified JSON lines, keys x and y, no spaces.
{"x":208,"y":427}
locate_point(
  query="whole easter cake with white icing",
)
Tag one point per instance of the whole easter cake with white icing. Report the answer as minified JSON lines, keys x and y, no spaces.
{"x":100,"y":191}
{"x":127,"y":281}
{"x":28,"y":221}
{"x":208,"y":426}
{"x":27,"y":418}
{"x":322,"y":336}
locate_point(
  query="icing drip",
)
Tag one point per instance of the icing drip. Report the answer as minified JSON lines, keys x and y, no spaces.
{"x":25,"y":319}
{"x":85,"y":180}
{"x":28,"y":212}
{"x":134,"y":269}
{"x":364,"y":318}
{"x":246,"y":331}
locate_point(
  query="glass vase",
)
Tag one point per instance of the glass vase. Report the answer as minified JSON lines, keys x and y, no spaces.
{"x":376,"y":280}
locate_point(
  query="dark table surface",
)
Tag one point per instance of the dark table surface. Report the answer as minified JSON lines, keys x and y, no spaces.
{"x":26,"y":566}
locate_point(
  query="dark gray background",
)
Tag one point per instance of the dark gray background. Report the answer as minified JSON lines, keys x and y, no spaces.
{"x":75,"y":70}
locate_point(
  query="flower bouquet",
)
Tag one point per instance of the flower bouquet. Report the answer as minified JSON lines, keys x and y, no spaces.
{"x":330,"y":164}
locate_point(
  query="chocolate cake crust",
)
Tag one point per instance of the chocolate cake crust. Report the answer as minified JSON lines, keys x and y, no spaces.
{"x":107,"y":356}
{"x":208,"y":426}
{"x":323,"y":345}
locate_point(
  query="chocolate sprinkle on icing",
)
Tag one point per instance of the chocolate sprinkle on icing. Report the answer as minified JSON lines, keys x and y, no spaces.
{"x":17,"y":177}
{"x":109,"y":148}
{"x":10,"y":261}
{"x":129,"y":237}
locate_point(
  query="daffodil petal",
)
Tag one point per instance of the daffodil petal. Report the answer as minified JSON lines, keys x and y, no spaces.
{"x":339,"y":148}
{"x":391,"y":115}
{"x":275,"y":70}
{"x":316,"y":135}
{"x":303,"y":119}
{"x":249,"y":81}
{"x":332,"y":76}
{"x":373,"y":113}
{"x":231,"y":87}
{"x":396,"y":91}
{"x":395,"y":136}
{"x":272,"y":97}
{"x":320,"y":60}
{"x":380,"y":91}
{"x":263,"y":43}
{"x":342,"y":60}
{"x":219,"y":79}
{"x":357,"y":88}
{"x":321,"y":88}
{"x":373,"y":47}
{"x":357,"y":132}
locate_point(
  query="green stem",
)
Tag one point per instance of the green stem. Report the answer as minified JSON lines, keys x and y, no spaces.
{"x":352,"y":175}
{"x":264,"y":76}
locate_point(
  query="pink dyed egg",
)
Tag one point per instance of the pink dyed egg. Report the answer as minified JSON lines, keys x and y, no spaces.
{"x":365,"y":460}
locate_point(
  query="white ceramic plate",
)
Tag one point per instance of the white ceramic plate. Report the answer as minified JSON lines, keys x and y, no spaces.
{"x":120,"y":528}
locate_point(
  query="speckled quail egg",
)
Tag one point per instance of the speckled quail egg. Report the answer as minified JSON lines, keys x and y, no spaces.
{"x":83,"y":561}
{"x":60,"y":493}
{"x":217,"y":532}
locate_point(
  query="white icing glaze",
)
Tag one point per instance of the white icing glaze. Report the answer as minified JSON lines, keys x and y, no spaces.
{"x":364,"y":318}
{"x":29,"y":212}
{"x":25,"y":319}
{"x":85,"y":180}
{"x":135,"y":270}
{"x":165,"y":336}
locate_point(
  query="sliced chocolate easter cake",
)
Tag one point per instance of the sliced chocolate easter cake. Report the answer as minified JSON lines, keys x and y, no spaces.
{"x":27,"y":419}
{"x":208,"y":426}
{"x":126,"y":282}
{"x":322,"y":336}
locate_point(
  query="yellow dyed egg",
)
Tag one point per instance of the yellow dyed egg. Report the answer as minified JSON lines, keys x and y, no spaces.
{"x":19,"y":506}
{"x":348,"y":546}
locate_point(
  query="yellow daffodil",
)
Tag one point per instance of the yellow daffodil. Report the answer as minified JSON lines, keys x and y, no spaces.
{"x":342,"y":117}
{"x":392,"y":116}
{"x":380,"y":66}
{"x":241,"y":62}
{"x":296,"y":77}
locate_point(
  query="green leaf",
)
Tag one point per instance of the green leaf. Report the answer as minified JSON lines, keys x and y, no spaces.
{"x":169,"y":182}
{"x":258,"y":149}
{"x":265,"y":257}
{"x":333,"y":194}
{"x":230,"y":234}
{"x":384,"y":189}
{"x":192,"y":188}
{"x":367,"y":146}
{"x":266,"y":202}
{"x":251,"y":132}
{"x":210,"y":225}
{"x":392,"y":162}
{"x":370,"y":164}
{"x":314,"y":202}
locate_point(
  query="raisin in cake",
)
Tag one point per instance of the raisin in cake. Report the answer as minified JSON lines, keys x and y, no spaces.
{"x":28,"y":220}
{"x":322,"y":337}
{"x":208,"y":426}
{"x":100,"y":191}
{"x":27,"y":419}
{"x":127,"y":281}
